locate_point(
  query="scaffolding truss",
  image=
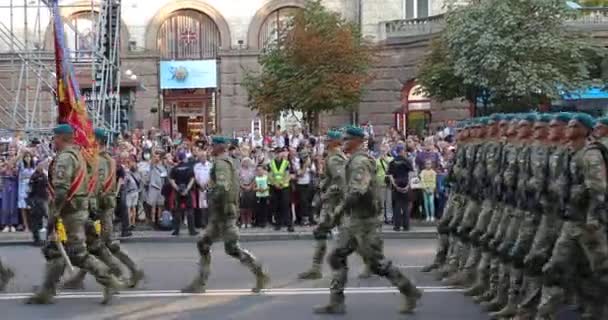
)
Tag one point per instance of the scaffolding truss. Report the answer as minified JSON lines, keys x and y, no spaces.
{"x":27,"y":67}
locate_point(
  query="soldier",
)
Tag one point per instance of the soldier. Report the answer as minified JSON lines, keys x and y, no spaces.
{"x":223,"y":203}
{"x":443,"y":241}
{"x":68,"y":180}
{"x":102,"y":244}
{"x":580,"y":255}
{"x":487,"y":223}
{"x":6,"y":274}
{"x":359,"y":213}
{"x":551,"y":197}
{"x":331,"y":187}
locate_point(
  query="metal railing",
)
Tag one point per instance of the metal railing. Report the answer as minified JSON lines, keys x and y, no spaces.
{"x":587,"y":18}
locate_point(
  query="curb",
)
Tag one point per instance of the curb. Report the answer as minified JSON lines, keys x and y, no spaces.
{"x":243,"y":238}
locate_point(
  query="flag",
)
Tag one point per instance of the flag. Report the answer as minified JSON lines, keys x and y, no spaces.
{"x":71,"y":107}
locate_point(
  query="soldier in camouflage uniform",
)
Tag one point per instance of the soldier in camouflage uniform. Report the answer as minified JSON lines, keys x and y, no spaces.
{"x":5,"y":276}
{"x":488,"y":217}
{"x":68,"y":180}
{"x":501,"y":220}
{"x":550,"y":179}
{"x":331,"y":187}
{"x":223,"y":211}
{"x":476,"y":191}
{"x":102,"y":244}
{"x":443,"y":239}
{"x":580,"y":255}
{"x":359,"y":212}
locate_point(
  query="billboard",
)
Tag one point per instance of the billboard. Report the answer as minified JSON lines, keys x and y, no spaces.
{"x":188,"y":74}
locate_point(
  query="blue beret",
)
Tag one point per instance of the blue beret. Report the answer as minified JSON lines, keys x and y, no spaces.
{"x":497,"y":117}
{"x":354,"y":131}
{"x":100,"y":134}
{"x":545,"y":117}
{"x":563,"y":117}
{"x":234,"y":141}
{"x":63,"y":129}
{"x":220,"y":140}
{"x":585,"y":120}
{"x":334,"y":135}
{"x":603,"y":120}
{"x":529,"y":117}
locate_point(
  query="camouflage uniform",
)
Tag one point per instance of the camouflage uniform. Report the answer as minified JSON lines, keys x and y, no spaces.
{"x":223,"y":203}
{"x":5,"y":275}
{"x":68,"y":179}
{"x":331,"y":193}
{"x":580,"y":255}
{"x":359,"y":232}
{"x":102,"y":244}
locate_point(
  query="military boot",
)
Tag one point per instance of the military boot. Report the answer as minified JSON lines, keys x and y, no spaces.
{"x":499,"y":301}
{"x":409,"y":301}
{"x":136,"y":277}
{"x":5,"y":276}
{"x":507,"y":312}
{"x":336,"y":305}
{"x":457,"y":279}
{"x":312,"y":274}
{"x":76,"y":282}
{"x":196,"y":286}
{"x":261,"y":281}
{"x":430,"y":267}
{"x":43,"y":296}
{"x":477,"y":289}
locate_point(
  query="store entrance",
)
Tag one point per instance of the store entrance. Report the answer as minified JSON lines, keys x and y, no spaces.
{"x":191,"y":127}
{"x":192,"y":112}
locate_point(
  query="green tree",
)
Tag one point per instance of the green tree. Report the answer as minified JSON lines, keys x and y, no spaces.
{"x":319,"y":63}
{"x":509,"y":52}
{"x":594,"y":3}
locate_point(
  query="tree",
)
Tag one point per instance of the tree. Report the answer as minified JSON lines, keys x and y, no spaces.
{"x":594,"y":3}
{"x":318,"y":63}
{"x":509,"y":52}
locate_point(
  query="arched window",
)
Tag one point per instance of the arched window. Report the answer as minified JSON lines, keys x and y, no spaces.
{"x":80,"y":34}
{"x":416,"y":8}
{"x":188,"y":34}
{"x":274,"y":24}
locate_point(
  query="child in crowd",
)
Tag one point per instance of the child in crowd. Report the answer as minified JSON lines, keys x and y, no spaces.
{"x":262,"y":194}
{"x":428,"y":178}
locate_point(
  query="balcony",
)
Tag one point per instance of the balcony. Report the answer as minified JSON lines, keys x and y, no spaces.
{"x":588,"y":19}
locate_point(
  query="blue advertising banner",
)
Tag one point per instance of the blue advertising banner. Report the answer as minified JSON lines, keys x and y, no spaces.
{"x":188,"y":74}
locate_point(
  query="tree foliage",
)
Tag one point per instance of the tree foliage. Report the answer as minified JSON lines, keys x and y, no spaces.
{"x":318,"y":63}
{"x":514,"y":50}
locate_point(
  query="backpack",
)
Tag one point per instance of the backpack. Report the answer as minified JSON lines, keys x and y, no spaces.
{"x":165,"y":222}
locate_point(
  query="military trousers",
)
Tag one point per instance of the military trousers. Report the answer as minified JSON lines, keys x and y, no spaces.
{"x":362,"y":235}
{"x":223,"y":227}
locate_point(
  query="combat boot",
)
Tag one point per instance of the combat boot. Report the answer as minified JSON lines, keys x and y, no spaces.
{"x":76,"y":282}
{"x":43,"y":296}
{"x":111,"y":289}
{"x":336,"y":305}
{"x":495,"y":304}
{"x":312,"y":274}
{"x":136,"y":277}
{"x":457,"y":279}
{"x":409,"y":301}
{"x":477,"y":289}
{"x":429,"y":268}
{"x":261,"y":281}
{"x":5,"y":277}
{"x":507,"y":312}
{"x":196,"y":286}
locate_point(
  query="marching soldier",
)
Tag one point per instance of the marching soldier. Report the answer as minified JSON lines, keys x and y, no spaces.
{"x":68,"y":180}
{"x":580,"y":255}
{"x":6,"y":274}
{"x":359,"y":213}
{"x":223,"y":203}
{"x":99,"y":228}
{"x":331,"y":193}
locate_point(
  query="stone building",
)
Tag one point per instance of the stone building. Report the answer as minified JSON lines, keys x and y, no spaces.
{"x":165,"y":42}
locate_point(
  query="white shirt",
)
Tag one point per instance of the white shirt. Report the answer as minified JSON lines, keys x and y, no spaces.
{"x":306,"y":177}
{"x":278,"y":142}
{"x":202,"y":173}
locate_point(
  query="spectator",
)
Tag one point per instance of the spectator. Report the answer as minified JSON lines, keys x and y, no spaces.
{"x":202,"y":171}
{"x":399,"y":172}
{"x":182,"y":198}
{"x":26,"y":170}
{"x":38,"y":199}
{"x":248,"y":197}
{"x":428,"y":179}
{"x":132,"y":185}
{"x":9,"y":216}
{"x":305,"y":169}
{"x":157,"y":177}
{"x":262,"y":194}
{"x":384,"y":186}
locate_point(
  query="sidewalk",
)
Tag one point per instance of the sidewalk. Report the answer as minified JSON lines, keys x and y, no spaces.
{"x":418,"y":231}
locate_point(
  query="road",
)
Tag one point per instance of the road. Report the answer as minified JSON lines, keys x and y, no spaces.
{"x":170,"y":266}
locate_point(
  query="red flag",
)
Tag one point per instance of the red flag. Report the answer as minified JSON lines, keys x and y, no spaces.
{"x":71,"y":105}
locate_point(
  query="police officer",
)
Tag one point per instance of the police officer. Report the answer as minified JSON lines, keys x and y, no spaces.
{"x":223,"y":212}
{"x":359,"y":210}
{"x":68,"y":179}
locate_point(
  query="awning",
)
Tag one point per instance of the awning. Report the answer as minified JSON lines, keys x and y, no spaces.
{"x":588,"y":94}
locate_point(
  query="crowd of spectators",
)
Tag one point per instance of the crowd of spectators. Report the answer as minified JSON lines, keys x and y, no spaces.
{"x":164,"y":179}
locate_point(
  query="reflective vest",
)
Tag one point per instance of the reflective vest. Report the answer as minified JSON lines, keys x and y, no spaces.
{"x":280,"y":174}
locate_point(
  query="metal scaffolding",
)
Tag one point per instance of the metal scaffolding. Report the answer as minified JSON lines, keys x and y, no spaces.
{"x":27,"y":67}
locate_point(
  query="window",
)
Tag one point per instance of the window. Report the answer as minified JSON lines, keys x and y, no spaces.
{"x":275,"y":23}
{"x":188,"y":34}
{"x":416,"y":8}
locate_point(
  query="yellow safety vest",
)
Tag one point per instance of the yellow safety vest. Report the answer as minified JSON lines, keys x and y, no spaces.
{"x":280,"y":174}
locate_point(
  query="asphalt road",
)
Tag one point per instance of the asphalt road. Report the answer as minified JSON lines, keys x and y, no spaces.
{"x":170,"y":266}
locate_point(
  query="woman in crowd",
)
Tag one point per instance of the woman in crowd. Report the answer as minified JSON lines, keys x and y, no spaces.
{"x":25,"y":171}
{"x":262,"y":194}
{"x":9,"y":216}
{"x":428,"y":179}
{"x":132,"y":183}
{"x":156,"y":180}
{"x":247,"y":203}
